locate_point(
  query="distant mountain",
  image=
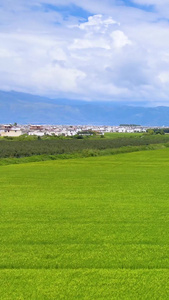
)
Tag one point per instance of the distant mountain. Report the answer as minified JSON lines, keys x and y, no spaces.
{"x":25,"y":108}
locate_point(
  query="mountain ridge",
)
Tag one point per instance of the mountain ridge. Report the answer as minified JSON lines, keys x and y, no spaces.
{"x":25,"y":108}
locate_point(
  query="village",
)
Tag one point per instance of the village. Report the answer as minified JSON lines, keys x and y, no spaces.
{"x":15,"y":130}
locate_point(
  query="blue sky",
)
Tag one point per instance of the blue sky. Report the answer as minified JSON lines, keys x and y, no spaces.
{"x":111,"y":50}
{"x":67,"y":10}
{"x":149,"y":7}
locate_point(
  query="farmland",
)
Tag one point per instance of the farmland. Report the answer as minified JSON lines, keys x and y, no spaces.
{"x":25,"y":148}
{"x":87,"y":228}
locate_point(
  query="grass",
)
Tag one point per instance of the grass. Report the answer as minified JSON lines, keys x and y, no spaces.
{"x":115,"y":135}
{"x":94,"y":228}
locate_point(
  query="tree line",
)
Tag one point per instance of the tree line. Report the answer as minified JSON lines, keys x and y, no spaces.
{"x":60,"y":146}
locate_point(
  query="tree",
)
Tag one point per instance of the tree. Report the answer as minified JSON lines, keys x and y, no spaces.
{"x":150,"y":131}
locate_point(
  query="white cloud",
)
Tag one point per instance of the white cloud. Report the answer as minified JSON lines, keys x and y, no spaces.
{"x":120,"y":39}
{"x":55,"y":77}
{"x":118,"y":53}
{"x":97,"y":23}
{"x":89,"y":43}
{"x":164,"y":77}
{"x":160,"y":6}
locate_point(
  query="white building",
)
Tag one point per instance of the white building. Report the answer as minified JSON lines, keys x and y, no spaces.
{"x":37,"y":133}
{"x":11,"y":132}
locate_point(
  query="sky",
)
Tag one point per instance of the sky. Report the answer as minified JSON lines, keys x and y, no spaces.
{"x":111,"y":50}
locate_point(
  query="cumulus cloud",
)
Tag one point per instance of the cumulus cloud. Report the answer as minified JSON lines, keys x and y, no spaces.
{"x":118,"y":52}
{"x":98,"y":23}
{"x":120,"y":39}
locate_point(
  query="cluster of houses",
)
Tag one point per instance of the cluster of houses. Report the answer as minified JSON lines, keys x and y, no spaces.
{"x":64,"y":130}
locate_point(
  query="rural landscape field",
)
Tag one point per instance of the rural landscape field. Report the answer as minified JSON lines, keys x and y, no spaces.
{"x":86,"y":228}
{"x":84,"y":150}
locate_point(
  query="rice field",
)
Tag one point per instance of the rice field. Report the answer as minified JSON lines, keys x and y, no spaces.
{"x":90,"y":228}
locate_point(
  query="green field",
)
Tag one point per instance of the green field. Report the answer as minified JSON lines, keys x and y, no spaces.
{"x":115,"y":135}
{"x":91,"y":228}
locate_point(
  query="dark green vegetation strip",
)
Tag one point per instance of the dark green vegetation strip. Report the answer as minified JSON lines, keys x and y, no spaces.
{"x":94,"y":228}
{"x":52,"y":147}
{"x":81,"y":154}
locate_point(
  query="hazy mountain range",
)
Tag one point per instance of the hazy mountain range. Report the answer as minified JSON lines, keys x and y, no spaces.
{"x":25,"y":108}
